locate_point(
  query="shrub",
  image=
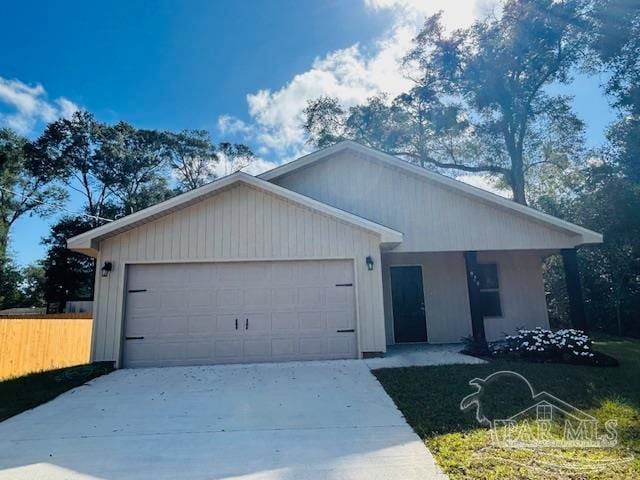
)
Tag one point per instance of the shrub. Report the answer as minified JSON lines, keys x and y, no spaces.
{"x":546,"y":344}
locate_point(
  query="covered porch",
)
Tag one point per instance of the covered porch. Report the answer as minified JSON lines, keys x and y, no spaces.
{"x":445,"y":297}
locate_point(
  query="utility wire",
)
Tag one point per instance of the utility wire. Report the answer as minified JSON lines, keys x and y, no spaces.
{"x":95,"y":217}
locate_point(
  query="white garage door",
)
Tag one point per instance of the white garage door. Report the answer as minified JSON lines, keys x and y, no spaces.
{"x":204,"y":313}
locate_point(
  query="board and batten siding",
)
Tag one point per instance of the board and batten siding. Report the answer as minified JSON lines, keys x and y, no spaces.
{"x":432,"y":217}
{"x":446,"y":295}
{"x":236,"y":224}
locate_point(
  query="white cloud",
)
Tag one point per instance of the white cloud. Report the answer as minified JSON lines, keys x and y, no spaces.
{"x":350,"y":74}
{"x":29,"y":105}
{"x":485,"y":183}
{"x":228,"y":124}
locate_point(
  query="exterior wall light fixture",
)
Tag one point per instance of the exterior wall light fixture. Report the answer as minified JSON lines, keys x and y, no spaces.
{"x":106,"y":268}
{"x":369,"y":261}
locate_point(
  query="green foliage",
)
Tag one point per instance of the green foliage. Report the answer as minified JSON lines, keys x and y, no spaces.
{"x":616,"y":49}
{"x":193,"y":158}
{"x":26,"y":185}
{"x":480,"y":102}
{"x":68,"y":275}
{"x":133,"y":164}
{"x":10,"y":280}
{"x":608,"y":202}
{"x":33,"y":285}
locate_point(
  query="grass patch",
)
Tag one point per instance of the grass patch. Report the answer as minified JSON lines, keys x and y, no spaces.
{"x":429,"y":398}
{"x":29,"y":391}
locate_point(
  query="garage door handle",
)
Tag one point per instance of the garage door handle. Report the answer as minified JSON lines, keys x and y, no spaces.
{"x":236,"y":323}
{"x":134,"y":338}
{"x":246,"y":324}
{"x":350,"y":330}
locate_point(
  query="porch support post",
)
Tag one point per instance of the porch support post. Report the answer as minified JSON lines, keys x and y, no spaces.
{"x":475,"y":301}
{"x":574,"y":289}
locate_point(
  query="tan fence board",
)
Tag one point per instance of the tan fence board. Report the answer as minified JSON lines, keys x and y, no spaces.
{"x":43,"y":343}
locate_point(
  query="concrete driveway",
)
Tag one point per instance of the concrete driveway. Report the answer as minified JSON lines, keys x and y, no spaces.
{"x":311,"y":420}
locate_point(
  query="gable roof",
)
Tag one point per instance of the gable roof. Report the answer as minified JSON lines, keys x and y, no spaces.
{"x":588,"y":236}
{"x":88,"y":242}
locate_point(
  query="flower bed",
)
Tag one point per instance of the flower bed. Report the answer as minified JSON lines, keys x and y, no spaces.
{"x":549,"y":344}
{"x":563,"y":346}
{"x":539,"y":345}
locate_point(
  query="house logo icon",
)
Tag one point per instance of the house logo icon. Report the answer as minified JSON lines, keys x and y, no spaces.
{"x":546,"y":421}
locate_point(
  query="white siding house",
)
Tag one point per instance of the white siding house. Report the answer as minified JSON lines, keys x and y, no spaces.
{"x":335,"y":255}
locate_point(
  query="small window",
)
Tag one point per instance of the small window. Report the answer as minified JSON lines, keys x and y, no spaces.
{"x":489,"y":290}
{"x":544,"y":413}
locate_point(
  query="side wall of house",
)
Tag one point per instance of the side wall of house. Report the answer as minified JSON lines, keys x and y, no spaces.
{"x":241,"y":223}
{"x":446,"y":296}
{"x":432,"y":217}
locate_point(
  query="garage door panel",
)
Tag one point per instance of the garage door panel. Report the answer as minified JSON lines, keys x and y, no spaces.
{"x":201,"y":324}
{"x":312,"y":320}
{"x":341,"y":345}
{"x":340,"y":320}
{"x":284,"y":321}
{"x":256,"y":323}
{"x":338,"y":296}
{"x":284,"y":298}
{"x":337,"y":272}
{"x":313,"y":346}
{"x":187,"y":315}
{"x":201,"y":297}
{"x":171,"y":325}
{"x":199,"y":351}
{"x":308,"y":296}
{"x":228,"y":349}
{"x":230,"y":298}
{"x":172,"y":299}
{"x":257,"y":347}
{"x":257,"y":297}
{"x":226,"y":323}
{"x":281,"y":275}
{"x":283,"y":347}
{"x":145,"y":324}
{"x":228,"y":274}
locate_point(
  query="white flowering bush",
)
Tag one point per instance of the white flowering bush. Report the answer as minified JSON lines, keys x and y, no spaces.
{"x":549,"y":344}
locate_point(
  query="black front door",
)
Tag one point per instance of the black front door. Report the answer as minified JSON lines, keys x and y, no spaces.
{"x":407,"y":298}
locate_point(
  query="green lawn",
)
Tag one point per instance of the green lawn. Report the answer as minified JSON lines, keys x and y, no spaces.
{"x":22,"y":393}
{"x":429,"y":398}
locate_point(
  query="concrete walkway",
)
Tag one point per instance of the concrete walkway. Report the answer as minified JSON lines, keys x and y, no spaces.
{"x":312,"y":420}
{"x":422,"y":355}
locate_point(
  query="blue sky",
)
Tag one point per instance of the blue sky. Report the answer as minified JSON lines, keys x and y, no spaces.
{"x":241,"y":69}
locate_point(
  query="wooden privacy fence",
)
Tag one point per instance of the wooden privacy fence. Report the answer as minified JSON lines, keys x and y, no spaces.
{"x":43,"y":342}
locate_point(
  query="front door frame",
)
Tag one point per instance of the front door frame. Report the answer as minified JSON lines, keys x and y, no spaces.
{"x":393,"y":320}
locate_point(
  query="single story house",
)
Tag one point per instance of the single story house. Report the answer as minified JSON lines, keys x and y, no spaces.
{"x":334,"y":255}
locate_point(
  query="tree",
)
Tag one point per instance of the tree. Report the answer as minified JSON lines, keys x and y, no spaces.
{"x":10,"y":279}
{"x":133,"y":164}
{"x":606,"y":201}
{"x":71,"y":146}
{"x":68,"y":274}
{"x":235,"y":156}
{"x":480,"y":102}
{"x":193,"y":158}
{"x":616,"y":51}
{"x":33,"y":285}
{"x":27,"y":186}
